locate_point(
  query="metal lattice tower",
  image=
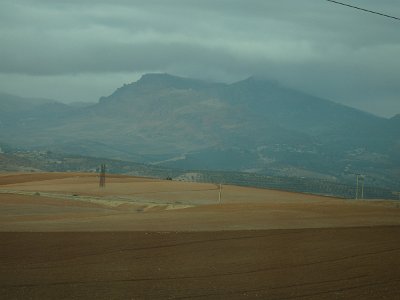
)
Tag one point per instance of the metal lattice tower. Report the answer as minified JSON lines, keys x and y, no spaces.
{"x":102,"y":183}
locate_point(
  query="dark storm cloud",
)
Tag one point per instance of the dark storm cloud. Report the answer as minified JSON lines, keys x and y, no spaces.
{"x":335,"y":52}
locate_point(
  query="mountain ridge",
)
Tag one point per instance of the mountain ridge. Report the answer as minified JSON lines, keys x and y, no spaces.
{"x":251,"y":124}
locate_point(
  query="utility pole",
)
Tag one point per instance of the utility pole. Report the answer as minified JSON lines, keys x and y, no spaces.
{"x":362,"y":187}
{"x":357,"y":186}
{"x":220,"y":193}
{"x":102,"y":182}
{"x":359,"y":180}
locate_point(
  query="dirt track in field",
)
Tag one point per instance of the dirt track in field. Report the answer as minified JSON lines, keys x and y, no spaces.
{"x":151,"y":239}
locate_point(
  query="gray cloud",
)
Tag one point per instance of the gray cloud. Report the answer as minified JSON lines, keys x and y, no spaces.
{"x":335,"y":52}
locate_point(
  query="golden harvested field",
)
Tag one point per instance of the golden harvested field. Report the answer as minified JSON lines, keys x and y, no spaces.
{"x":62,"y":237}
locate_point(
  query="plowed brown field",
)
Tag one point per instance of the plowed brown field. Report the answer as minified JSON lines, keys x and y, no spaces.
{"x":62,"y":237}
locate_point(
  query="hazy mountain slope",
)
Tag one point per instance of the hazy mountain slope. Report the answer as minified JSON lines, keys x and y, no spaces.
{"x":248,"y":125}
{"x":19,"y":112}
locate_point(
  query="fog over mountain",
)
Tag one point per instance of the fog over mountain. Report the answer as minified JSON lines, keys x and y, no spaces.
{"x":251,"y":125}
{"x":77,"y":51}
{"x":288,"y":88}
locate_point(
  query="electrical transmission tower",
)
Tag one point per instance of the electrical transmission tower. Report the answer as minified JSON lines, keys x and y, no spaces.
{"x":102,"y":183}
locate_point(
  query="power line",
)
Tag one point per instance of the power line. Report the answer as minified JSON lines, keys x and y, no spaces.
{"x":363,"y":9}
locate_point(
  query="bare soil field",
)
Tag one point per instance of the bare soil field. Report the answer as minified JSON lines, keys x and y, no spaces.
{"x":63,"y":237}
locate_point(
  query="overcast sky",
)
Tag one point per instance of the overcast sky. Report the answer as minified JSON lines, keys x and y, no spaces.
{"x":81,"y":50}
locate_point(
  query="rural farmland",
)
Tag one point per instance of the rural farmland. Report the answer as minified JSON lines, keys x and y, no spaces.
{"x":64,"y":237}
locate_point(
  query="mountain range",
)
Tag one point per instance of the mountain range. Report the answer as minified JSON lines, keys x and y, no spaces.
{"x":252,"y":125}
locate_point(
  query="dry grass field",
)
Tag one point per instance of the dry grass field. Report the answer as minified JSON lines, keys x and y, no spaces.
{"x":63,"y":237}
